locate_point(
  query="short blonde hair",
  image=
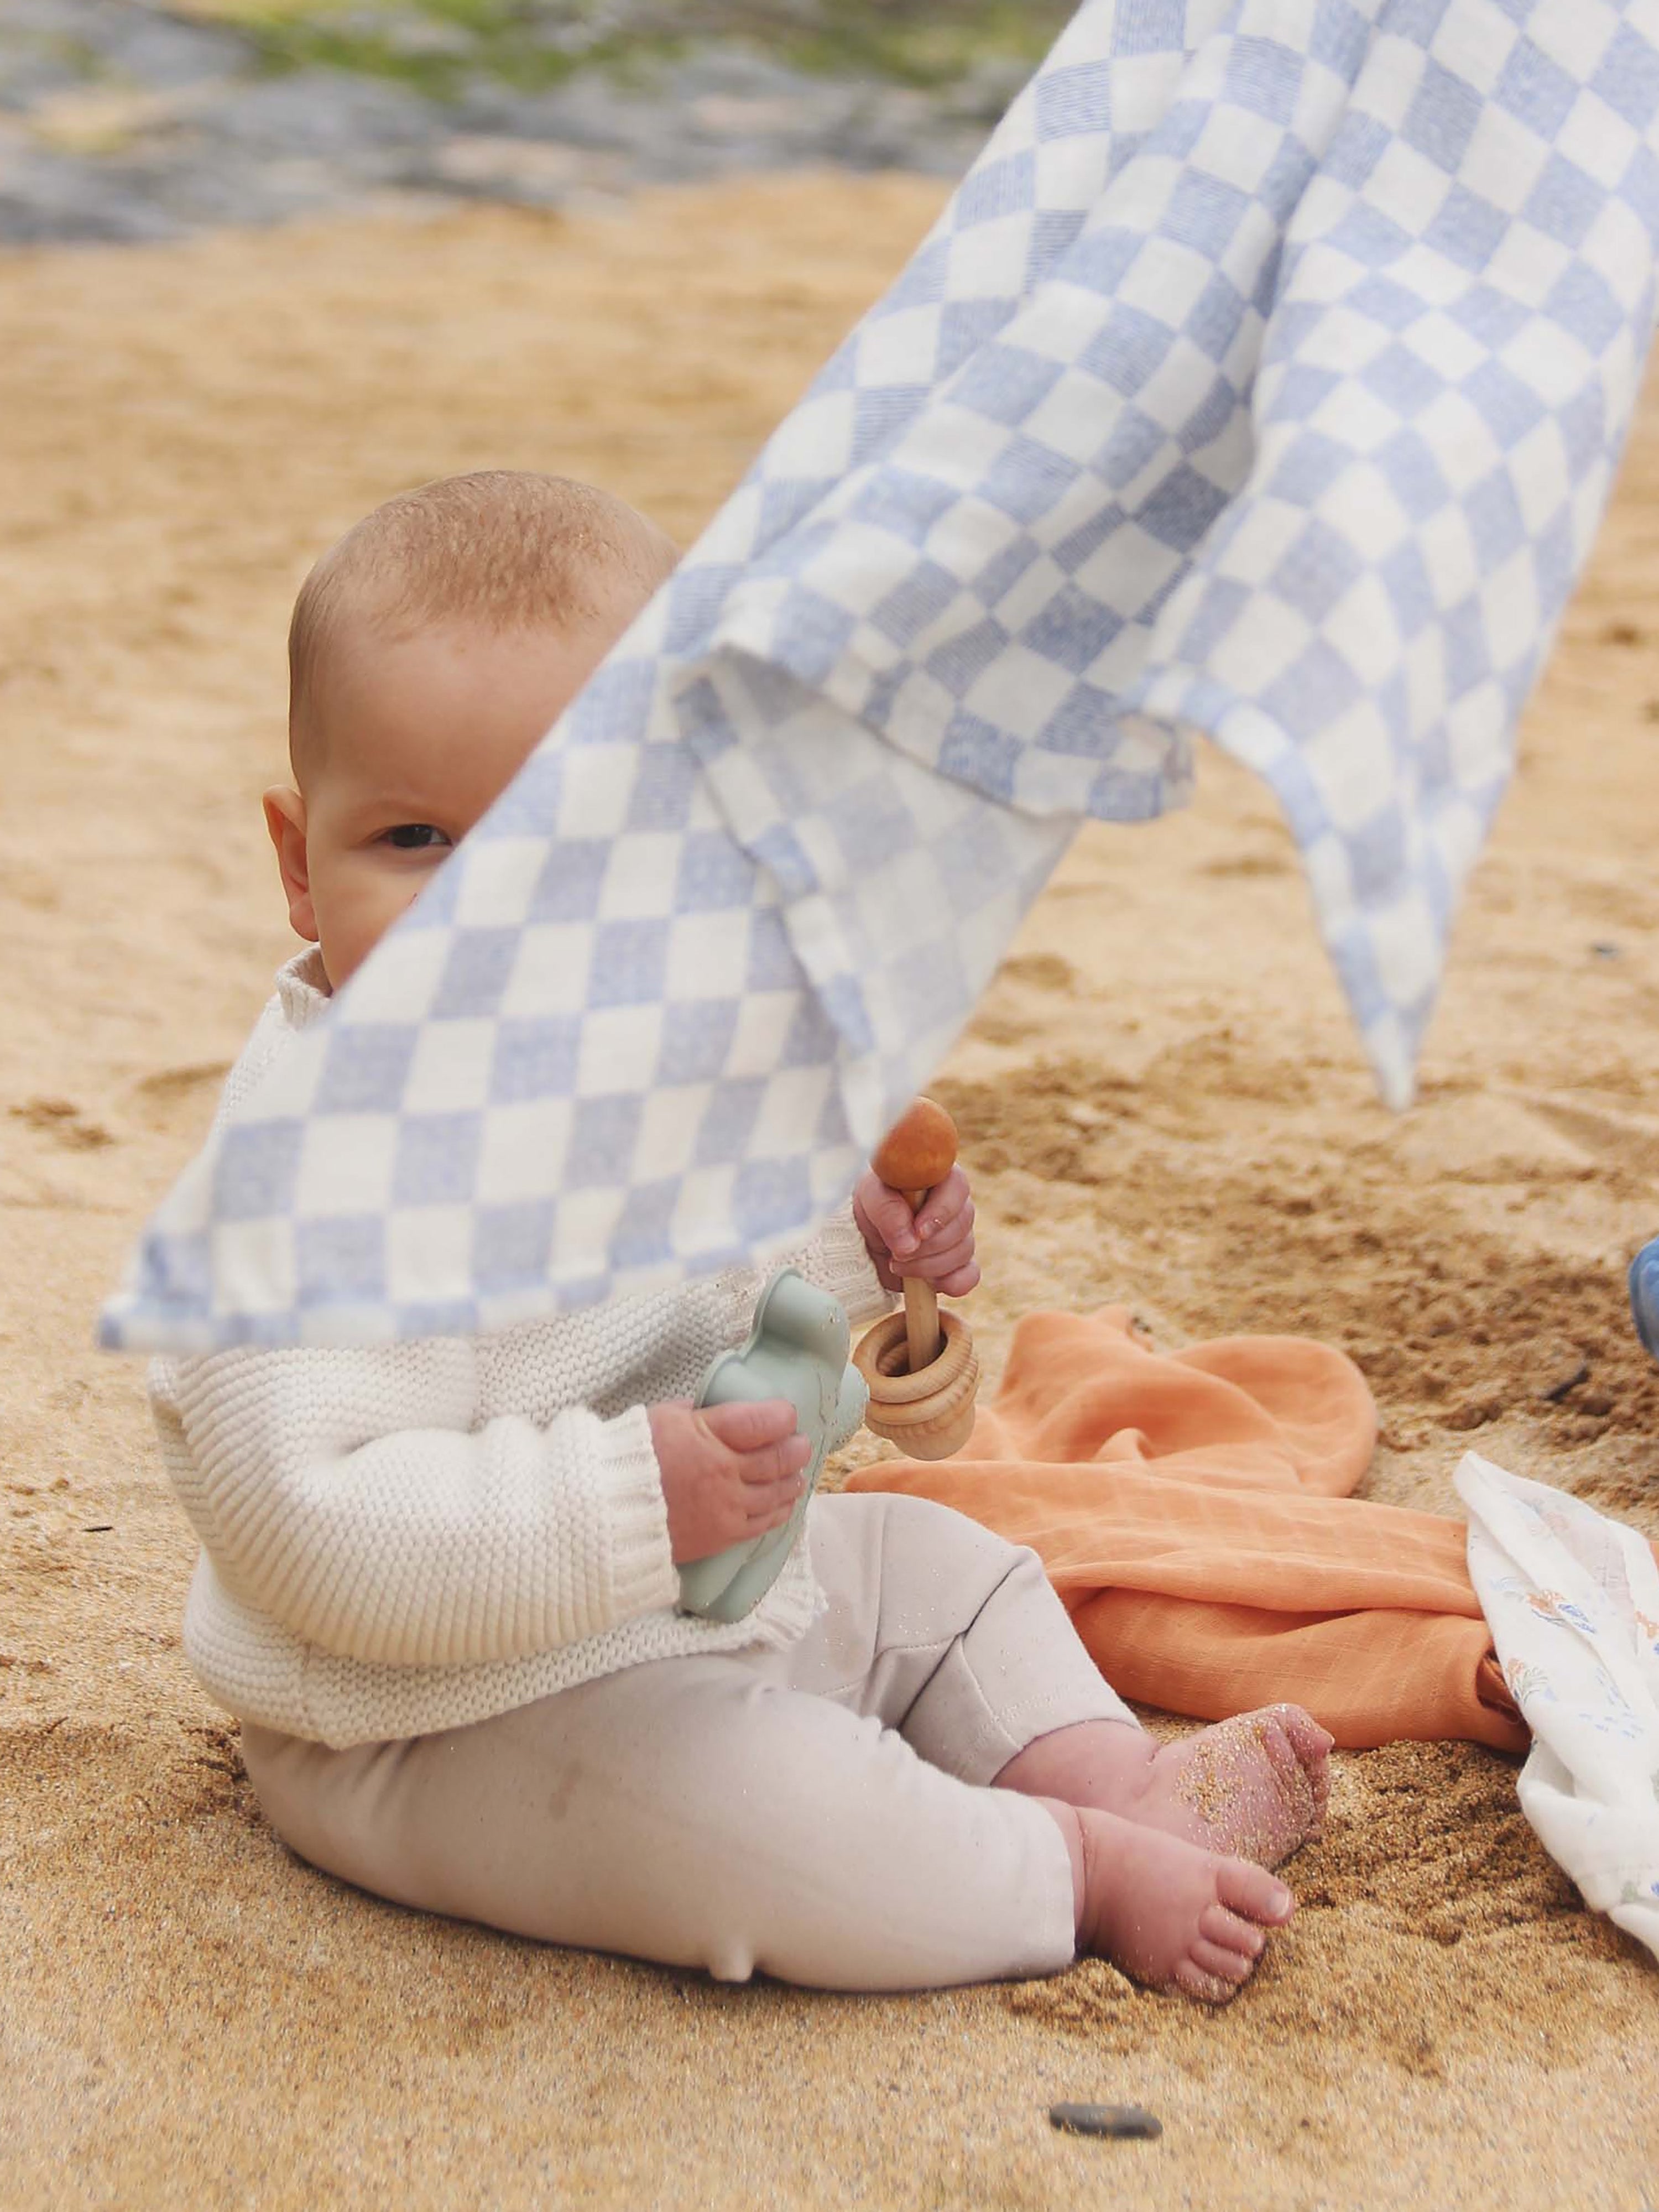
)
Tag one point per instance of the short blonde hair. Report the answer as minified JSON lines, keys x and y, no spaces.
{"x":504,"y":547}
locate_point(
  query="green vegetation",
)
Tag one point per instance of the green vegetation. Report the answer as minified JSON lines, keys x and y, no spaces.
{"x":927,"y":42}
{"x":433,"y":45}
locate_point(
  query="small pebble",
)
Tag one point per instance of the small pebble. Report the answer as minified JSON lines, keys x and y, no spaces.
{"x":1557,"y":1390}
{"x":1604,"y":950}
{"x":1126,"y":2120}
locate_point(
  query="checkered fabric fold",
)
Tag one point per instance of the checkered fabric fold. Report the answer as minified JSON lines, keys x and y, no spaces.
{"x":1265,"y":380}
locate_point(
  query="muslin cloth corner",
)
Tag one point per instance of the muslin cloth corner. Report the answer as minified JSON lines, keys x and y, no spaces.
{"x":1572,"y":1599}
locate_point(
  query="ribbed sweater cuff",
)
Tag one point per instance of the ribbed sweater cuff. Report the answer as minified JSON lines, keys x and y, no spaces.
{"x":838,"y":1261}
{"x":642,"y":1574}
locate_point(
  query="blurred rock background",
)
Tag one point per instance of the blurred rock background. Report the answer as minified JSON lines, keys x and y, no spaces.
{"x":130,"y":121}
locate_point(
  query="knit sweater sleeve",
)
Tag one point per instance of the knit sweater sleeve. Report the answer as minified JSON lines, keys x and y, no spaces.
{"x":837,"y":1261}
{"x":349,"y":1495}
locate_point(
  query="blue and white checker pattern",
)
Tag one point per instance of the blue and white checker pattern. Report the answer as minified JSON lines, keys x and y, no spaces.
{"x":1264,"y":379}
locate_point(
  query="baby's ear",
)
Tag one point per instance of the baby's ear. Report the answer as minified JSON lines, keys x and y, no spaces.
{"x":285,"y":819}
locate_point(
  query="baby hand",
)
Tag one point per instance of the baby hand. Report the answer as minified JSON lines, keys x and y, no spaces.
{"x":729,"y":1473}
{"x":937,"y":1243}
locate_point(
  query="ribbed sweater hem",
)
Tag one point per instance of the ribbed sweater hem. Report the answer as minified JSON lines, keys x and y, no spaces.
{"x":257,"y":1671}
{"x":642,"y":1577}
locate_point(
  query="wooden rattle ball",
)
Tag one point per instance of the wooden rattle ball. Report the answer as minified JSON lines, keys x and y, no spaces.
{"x":919,"y":1150}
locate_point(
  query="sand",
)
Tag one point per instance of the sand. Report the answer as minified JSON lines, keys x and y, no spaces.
{"x":1161,"y":1102}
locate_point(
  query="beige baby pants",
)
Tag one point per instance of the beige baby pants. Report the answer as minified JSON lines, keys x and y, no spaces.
{"x":818,"y":1814}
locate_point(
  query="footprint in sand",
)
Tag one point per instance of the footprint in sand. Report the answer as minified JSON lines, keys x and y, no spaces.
{"x":1610,"y":1136}
{"x":63,"y":1122}
{"x":1249,"y":864}
{"x":1044,"y":971}
{"x":175,"y":1094}
{"x":1006,"y":1015}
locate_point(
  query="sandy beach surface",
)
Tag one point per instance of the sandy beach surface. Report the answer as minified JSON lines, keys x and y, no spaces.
{"x":1163,"y":1102}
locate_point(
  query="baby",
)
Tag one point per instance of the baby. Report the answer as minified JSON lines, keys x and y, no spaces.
{"x":438,"y":1578}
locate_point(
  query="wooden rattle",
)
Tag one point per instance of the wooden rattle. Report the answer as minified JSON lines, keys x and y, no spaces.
{"x":920,"y":1365}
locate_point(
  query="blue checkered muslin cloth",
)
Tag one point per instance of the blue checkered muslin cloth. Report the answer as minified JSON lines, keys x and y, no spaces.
{"x":1264,"y":379}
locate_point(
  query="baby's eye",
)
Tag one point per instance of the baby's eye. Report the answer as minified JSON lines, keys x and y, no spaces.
{"x":415,"y":836}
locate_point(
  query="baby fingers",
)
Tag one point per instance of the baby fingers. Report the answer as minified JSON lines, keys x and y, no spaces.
{"x":952,"y":1268}
{"x":775,"y":1463}
{"x":769,"y":1506}
{"x":946,"y":1214}
{"x":750,"y":1425}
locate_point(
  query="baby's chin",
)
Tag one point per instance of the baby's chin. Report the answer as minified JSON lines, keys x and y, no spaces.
{"x":326,"y":976}
{"x":338,"y":962}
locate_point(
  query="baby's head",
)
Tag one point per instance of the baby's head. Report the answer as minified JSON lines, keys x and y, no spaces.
{"x":430,"y":650}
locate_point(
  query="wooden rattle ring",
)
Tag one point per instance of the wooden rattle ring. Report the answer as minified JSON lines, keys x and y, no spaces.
{"x":930,"y":1414}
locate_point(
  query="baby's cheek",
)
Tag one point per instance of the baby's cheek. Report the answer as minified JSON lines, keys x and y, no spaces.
{"x":352,"y":920}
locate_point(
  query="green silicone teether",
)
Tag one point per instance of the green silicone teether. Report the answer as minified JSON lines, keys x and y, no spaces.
{"x":797,"y":1350}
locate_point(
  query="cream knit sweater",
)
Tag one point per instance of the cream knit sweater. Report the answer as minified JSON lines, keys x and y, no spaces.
{"x":420,"y":1535}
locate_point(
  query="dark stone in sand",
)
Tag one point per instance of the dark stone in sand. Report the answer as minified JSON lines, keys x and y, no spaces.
{"x":1122,"y":2120}
{"x":1558,"y":1389}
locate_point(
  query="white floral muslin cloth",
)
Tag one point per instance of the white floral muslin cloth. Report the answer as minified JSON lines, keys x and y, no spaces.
{"x":1573,"y":1601}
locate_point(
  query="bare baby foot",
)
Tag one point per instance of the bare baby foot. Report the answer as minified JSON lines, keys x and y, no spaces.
{"x":1255,"y":1786}
{"x":1170,"y":1914}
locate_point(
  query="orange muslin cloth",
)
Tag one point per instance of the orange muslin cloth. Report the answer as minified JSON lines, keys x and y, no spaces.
{"x":1194,"y":1511}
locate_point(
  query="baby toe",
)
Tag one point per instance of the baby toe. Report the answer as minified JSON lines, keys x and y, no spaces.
{"x":1290,"y":1780}
{"x":1208,"y":1988}
{"x":1319,"y":1781}
{"x":1221,"y":1960}
{"x":1254,"y":1894}
{"x":1314,"y":1744}
{"x":1227,"y":1932}
{"x":1313,"y":1753}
